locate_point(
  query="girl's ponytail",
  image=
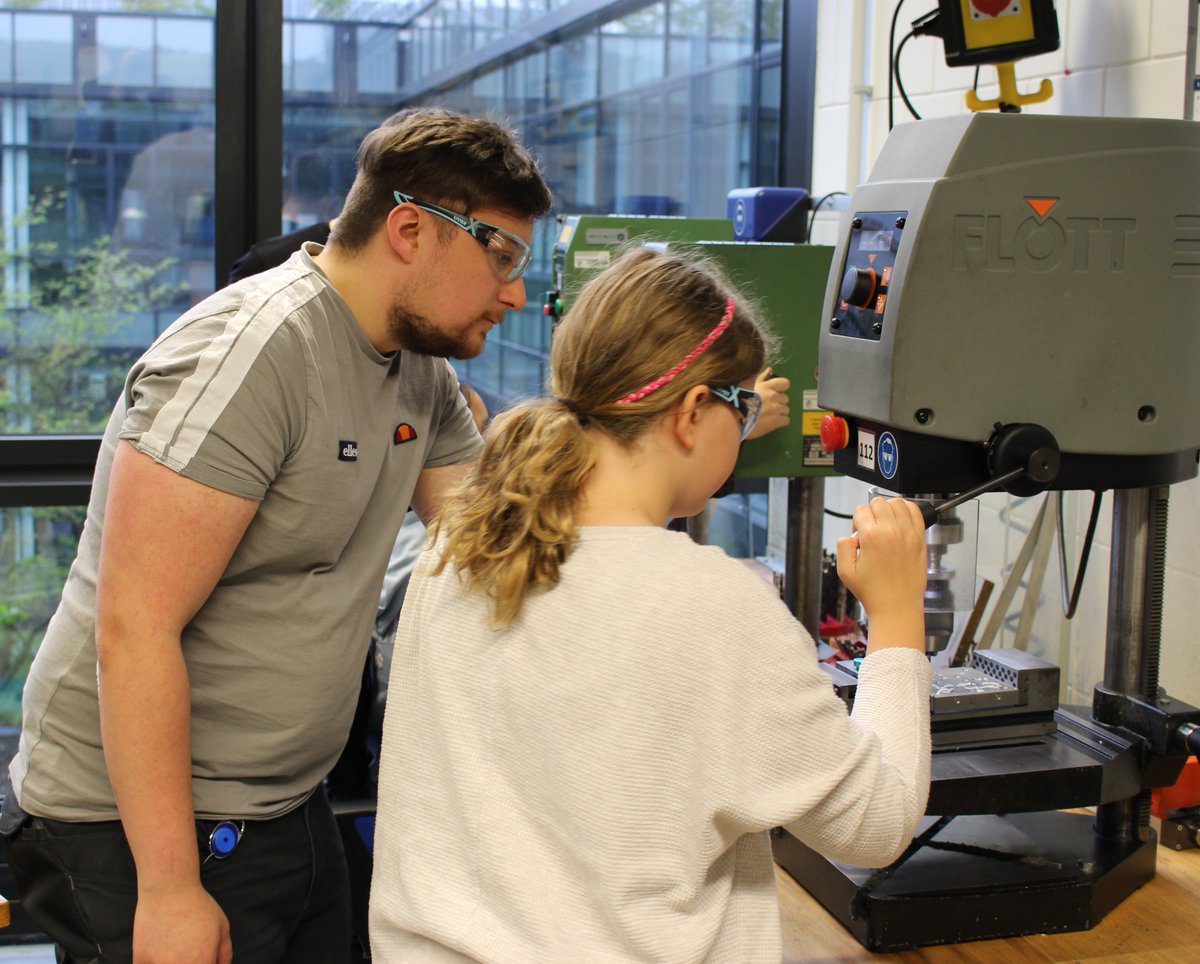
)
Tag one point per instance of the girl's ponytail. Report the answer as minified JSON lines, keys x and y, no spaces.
{"x":511,"y":524}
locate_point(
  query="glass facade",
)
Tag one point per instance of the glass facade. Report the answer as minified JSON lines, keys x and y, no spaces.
{"x":109,"y":151}
{"x":662,"y":110}
{"x":106,"y":184}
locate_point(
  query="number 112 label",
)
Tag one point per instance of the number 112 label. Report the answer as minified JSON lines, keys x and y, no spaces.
{"x":866,"y":449}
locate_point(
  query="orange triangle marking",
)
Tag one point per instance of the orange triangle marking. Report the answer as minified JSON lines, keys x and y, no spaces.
{"x":1041,"y":205}
{"x":871,"y":258}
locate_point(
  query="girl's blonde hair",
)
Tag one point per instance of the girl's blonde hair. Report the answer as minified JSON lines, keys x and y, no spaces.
{"x":510,"y":525}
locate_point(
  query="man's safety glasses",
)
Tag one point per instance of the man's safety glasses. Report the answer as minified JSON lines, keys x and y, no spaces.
{"x":747,"y":402}
{"x":509,"y":254}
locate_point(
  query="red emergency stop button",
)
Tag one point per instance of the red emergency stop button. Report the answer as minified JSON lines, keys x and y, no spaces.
{"x":835,"y":433}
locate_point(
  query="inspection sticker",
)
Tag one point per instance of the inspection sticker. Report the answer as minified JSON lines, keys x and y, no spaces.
{"x":810,"y":422}
{"x":866,"y":449}
{"x":815,"y":455}
{"x":592,"y":259}
{"x":605,"y":236}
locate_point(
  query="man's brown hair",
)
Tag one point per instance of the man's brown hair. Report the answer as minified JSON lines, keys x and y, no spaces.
{"x":462,"y":163}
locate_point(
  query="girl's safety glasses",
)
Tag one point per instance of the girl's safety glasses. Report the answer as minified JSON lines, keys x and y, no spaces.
{"x":747,"y":402}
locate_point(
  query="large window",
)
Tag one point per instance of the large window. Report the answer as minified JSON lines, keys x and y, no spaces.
{"x":106,"y":188}
{"x":112,"y":155}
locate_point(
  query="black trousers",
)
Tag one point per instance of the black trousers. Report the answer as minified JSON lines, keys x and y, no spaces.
{"x":285,"y":887}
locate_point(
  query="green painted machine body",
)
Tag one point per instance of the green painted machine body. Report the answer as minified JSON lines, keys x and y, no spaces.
{"x":588,"y":243}
{"x":786,"y":281}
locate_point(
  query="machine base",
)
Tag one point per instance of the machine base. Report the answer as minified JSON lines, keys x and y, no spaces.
{"x":976,"y":878}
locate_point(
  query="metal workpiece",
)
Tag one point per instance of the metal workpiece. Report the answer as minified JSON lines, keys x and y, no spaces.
{"x":963,"y":689}
{"x":1004,"y":698}
{"x":1011,"y":677}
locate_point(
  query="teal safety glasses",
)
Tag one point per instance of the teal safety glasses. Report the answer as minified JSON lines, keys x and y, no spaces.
{"x":508,"y":253}
{"x":747,"y":402}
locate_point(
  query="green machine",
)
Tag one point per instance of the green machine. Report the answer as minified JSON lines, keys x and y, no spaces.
{"x":787,"y":282}
{"x":588,"y":243}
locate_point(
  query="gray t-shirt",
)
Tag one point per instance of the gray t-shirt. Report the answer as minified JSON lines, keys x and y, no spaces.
{"x":270,"y":390}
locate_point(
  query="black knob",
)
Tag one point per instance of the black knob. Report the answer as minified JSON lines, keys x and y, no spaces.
{"x":1031,"y":447}
{"x":858,"y":286}
{"x":1188,"y":737}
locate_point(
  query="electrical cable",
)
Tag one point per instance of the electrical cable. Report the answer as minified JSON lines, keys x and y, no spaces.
{"x":1069,"y":603}
{"x":891,"y":59}
{"x":816,"y":207}
{"x":839,"y":515}
{"x":899,"y":83}
{"x":926,"y":25}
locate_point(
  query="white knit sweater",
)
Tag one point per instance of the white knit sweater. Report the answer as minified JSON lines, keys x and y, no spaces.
{"x":596,"y":782}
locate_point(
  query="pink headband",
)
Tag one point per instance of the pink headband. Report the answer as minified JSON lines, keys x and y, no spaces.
{"x":691,"y":357}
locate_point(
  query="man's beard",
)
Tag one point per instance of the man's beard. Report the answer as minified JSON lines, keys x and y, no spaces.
{"x":417,"y":334}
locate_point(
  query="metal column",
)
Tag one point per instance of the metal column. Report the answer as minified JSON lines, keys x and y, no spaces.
{"x":802,"y":561}
{"x":1133,"y":638}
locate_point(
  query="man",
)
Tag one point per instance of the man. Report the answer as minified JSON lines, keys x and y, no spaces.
{"x":197,"y":681}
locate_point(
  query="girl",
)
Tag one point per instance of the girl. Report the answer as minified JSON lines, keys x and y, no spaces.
{"x":594,"y":722}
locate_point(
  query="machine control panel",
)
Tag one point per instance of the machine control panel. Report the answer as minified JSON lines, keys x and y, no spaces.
{"x":870,"y":260}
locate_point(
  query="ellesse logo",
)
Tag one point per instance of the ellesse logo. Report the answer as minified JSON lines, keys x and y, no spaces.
{"x":347,"y":450}
{"x":404,"y":433}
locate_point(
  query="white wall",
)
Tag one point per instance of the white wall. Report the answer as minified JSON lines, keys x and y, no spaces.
{"x":1117,"y":58}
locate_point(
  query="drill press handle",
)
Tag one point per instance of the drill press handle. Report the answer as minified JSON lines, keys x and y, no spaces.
{"x":1019,"y":451}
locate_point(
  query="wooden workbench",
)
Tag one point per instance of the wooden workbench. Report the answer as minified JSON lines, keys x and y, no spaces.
{"x":1157,"y":924}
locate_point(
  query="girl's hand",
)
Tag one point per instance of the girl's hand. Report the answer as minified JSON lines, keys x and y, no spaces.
{"x":773,"y":391}
{"x":884,"y":563}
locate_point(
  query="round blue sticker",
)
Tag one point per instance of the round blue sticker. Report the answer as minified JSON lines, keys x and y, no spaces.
{"x":224,"y":838}
{"x":888,"y":454}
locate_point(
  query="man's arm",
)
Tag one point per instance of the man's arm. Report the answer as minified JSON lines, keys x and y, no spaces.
{"x":432,"y":486}
{"x":166,"y":541}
